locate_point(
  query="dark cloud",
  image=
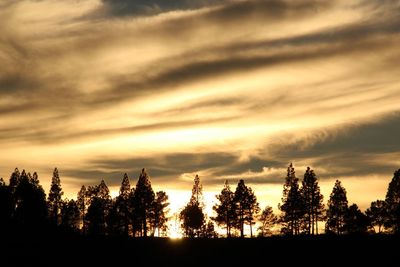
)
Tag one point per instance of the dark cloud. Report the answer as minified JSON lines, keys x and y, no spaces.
{"x":354,"y":150}
{"x":153,"y":7}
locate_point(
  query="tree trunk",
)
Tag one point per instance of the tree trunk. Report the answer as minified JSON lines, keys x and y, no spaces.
{"x":251,"y":230}
{"x":241,"y":226}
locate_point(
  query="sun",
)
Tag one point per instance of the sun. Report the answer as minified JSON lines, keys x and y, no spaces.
{"x":175,"y":234}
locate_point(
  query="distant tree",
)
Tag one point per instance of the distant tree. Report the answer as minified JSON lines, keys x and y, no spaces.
{"x":246,"y":206}
{"x":292,"y":206}
{"x":197,"y":192}
{"x":268,"y":220}
{"x":6,"y":206}
{"x":337,"y":210}
{"x":393,"y":203}
{"x":377,"y":214}
{"x":355,"y":222}
{"x":82,"y":203}
{"x":70,"y":214}
{"x":312,"y":202}
{"x":192,"y":216}
{"x":30,"y":203}
{"x":158,"y":214}
{"x":208,"y":230}
{"x":54,"y":199}
{"x":143,"y":201}
{"x":225,"y":209}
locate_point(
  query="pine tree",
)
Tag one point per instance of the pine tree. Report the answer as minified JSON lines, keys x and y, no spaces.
{"x":31,"y":208}
{"x":14,"y":180}
{"x":6,"y":206}
{"x":312,"y":202}
{"x":143,"y":200}
{"x":70,"y":214}
{"x":208,"y":230}
{"x":292,"y":206}
{"x":122,"y":207}
{"x":226,"y":209}
{"x":337,"y":210}
{"x":246,"y":206}
{"x":393,"y":203}
{"x":268,"y":220}
{"x":197,"y":192}
{"x":99,"y":207}
{"x":82,"y":202}
{"x":158,"y":215}
{"x":377,"y":214}
{"x":54,"y":199}
{"x":192,"y":216}
{"x":355,"y":222}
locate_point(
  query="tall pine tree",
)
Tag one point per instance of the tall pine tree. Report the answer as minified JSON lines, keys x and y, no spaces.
{"x":312,"y":201}
{"x":192,"y":216}
{"x":393,"y":203}
{"x":143,"y":199}
{"x":54,"y":199}
{"x":246,"y":206}
{"x":158,"y":215}
{"x":337,"y":210}
{"x":225,"y":209}
{"x":82,"y":202}
{"x":292,"y":206}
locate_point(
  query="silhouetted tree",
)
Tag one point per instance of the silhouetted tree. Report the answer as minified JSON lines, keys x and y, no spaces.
{"x":96,"y":217}
{"x":70,"y":214}
{"x":158,"y":214}
{"x":119,"y":217}
{"x":246,"y":206}
{"x":14,"y":180}
{"x":197,"y":192}
{"x":377,"y":214}
{"x":225,"y":209}
{"x":100,"y":202}
{"x":54,"y":199}
{"x":268,"y":220}
{"x":208,"y":230}
{"x":355,"y":222}
{"x":143,"y":200}
{"x":292,"y":206}
{"x":337,"y":210}
{"x":312,"y":202}
{"x":6,"y":206}
{"x":82,"y":203}
{"x":393,"y":203}
{"x":30,"y":202}
{"x":192,"y":216}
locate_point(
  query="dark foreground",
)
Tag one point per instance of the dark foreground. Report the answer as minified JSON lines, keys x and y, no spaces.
{"x":58,"y":250}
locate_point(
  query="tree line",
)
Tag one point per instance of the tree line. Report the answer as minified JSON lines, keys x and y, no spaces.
{"x":140,"y":212}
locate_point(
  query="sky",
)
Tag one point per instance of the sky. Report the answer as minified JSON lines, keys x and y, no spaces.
{"x":226,"y":89}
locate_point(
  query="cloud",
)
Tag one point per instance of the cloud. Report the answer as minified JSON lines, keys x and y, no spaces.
{"x":152,"y":7}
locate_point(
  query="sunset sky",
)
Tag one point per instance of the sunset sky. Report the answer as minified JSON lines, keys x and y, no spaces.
{"x":226,"y":89}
